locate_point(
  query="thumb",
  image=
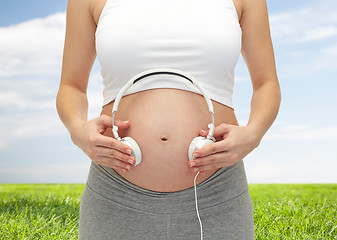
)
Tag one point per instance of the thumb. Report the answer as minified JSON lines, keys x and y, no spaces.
{"x":105,"y":121}
{"x":219,"y":131}
{"x":222,"y":130}
{"x":122,"y":124}
{"x":203,"y":133}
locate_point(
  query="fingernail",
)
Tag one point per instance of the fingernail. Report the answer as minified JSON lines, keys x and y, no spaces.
{"x":128,"y":167}
{"x":131,"y":160}
{"x":203,"y":131}
{"x":123,"y":170}
{"x":128,"y":151}
{"x":192,"y":164}
{"x":196,"y":169}
{"x":195,"y":155}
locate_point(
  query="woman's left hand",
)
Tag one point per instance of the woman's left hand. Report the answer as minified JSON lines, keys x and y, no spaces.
{"x":236,"y":143}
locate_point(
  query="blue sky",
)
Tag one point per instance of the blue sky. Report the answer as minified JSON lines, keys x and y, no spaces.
{"x":300,"y":146}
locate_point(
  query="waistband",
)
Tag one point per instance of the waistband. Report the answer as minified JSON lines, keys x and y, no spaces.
{"x":224,"y":185}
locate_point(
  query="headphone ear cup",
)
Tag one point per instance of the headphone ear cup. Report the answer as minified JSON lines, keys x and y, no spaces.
{"x":197,"y":143}
{"x":136,"y":153}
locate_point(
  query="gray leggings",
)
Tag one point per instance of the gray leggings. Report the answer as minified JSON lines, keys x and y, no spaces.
{"x":113,"y":208}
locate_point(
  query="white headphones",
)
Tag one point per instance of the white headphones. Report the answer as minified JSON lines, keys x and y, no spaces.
{"x":196,"y":143}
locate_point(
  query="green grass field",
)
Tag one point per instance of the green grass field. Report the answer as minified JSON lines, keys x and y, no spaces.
{"x":282,"y":211}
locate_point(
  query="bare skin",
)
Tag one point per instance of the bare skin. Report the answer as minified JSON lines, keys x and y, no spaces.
{"x":164,"y":121}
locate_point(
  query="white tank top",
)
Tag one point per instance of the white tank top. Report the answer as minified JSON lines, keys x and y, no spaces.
{"x":200,"y":37}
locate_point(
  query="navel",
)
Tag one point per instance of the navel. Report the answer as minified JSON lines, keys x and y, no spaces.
{"x":164,"y":138}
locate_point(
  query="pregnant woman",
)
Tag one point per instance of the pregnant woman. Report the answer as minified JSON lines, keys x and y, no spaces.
{"x":163,"y":113}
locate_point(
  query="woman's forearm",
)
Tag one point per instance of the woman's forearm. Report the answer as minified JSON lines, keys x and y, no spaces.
{"x":265,"y":105}
{"x":72,"y":106}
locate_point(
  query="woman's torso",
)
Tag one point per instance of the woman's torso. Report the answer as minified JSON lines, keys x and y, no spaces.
{"x":164,"y":122}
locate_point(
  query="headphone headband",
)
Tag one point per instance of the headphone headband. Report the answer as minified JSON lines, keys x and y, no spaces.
{"x":156,"y":71}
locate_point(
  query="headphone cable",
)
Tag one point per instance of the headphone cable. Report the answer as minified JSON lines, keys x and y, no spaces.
{"x":196,"y":205}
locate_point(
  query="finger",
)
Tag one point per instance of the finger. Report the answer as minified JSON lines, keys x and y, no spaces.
{"x":208,"y":160}
{"x":114,"y":154}
{"x":112,"y":143}
{"x":212,"y":148}
{"x":114,"y":164}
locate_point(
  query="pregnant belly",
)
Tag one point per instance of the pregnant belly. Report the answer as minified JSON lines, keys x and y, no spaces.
{"x":164,"y":122}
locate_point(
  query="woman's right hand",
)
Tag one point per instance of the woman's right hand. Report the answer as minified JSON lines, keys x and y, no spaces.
{"x":103,"y":150}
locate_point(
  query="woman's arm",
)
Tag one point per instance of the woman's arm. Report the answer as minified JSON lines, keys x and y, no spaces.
{"x":72,"y":103}
{"x":78,"y":57}
{"x":257,"y":51}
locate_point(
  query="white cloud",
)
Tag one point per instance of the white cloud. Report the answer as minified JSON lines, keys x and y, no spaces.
{"x":319,"y":33}
{"x":305,"y":40}
{"x":241,"y":78}
{"x":46,"y":173}
{"x":18,"y":100}
{"x":30,"y":65}
{"x":303,"y":170}
{"x":46,"y":169}
{"x":2,"y":144}
{"x":30,"y":70}
{"x":293,"y":160}
{"x":311,"y":23}
{"x":332,"y":50}
{"x":327,"y":58}
{"x":303,"y":133}
{"x":32,"y":47}
{"x":29,"y":125}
